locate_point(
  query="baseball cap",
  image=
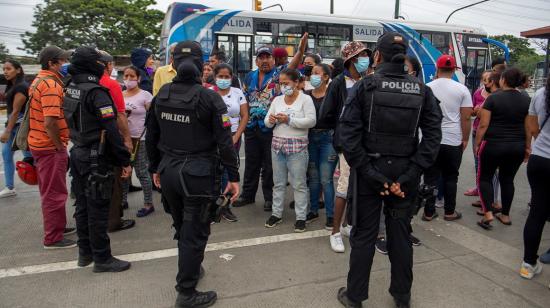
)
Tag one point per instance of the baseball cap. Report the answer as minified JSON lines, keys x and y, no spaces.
{"x":392,"y":43}
{"x":105,"y":56}
{"x":352,"y":49}
{"x":51,"y":53}
{"x":446,"y":61}
{"x":187,"y":49}
{"x":264,"y":49}
{"x":85,"y":55}
{"x":280,"y":52}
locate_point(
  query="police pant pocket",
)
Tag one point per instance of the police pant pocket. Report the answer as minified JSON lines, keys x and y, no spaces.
{"x":100,"y":187}
{"x":197,"y":177}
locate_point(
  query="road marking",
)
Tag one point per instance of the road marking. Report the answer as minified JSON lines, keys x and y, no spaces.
{"x":164,"y":253}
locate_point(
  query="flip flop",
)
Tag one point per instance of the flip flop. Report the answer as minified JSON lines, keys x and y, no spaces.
{"x":426,"y":218}
{"x":507,"y":223}
{"x":457,"y":215}
{"x":485,"y":224}
{"x":480,"y":213}
{"x":476,"y":204}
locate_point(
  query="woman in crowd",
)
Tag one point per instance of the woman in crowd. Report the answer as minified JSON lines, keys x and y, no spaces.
{"x":138,"y":102}
{"x":501,"y":143}
{"x":538,"y":169}
{"x":142,"y":58}
{"x":322,"y":156}
{"x":291,"y":115}
{"x":310,"y":60}
{"x":206,"y":72}
{"x":237,"y":111}
{"x":16,"y":95}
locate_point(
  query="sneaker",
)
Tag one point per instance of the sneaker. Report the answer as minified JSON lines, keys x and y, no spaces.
{"x":329,"y":224}
{"x":346,"y":231}
{"x":545,"y":258}
{"x":228,"y":215}
{"x":113,"y":265}
{"x":69,"y":231}
{"x":344,"y":300}
{"x":439,"y":203}
{"x":300,"y":226}
{"x":242,"y":202}
{"x":381,"y":245}
{"x":527,"y":271}
{"x":273,"y":221}
{"x":63,"y":244}
{"x":197,"y":299}
{"x":6,"y":192}
{"x":268,"y":206}
{"x":336,"y":243}
{"x":415,"y":241}
{"x":311,"y":217}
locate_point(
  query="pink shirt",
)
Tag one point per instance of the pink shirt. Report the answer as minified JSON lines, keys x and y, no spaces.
{"x":477,"y":100}
{"x":136,"y":105}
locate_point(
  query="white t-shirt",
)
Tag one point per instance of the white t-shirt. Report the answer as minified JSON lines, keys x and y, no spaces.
{"x":541,"y":146}
{"x":452,"y":96}
{"x":302,"y":116}
{"x":233,"y":100}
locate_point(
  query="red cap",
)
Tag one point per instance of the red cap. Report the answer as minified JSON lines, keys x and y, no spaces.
{"x":446,"y":61}
{"x":279,"y":52}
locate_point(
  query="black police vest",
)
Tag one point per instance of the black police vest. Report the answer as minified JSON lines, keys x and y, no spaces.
{"x":395,"y":106}
{"x":182,"y":132}
{"x":79,"y":113}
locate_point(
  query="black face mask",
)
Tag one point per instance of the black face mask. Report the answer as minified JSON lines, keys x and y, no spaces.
{"x":307,"y":70}
{"x":488,"y":89}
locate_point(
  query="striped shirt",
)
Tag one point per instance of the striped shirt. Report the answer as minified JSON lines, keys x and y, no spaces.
{"x":47,"y":101}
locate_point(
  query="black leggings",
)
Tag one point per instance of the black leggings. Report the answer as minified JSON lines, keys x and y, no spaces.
{"x":507,"y":157}
{"x":538,"y":170}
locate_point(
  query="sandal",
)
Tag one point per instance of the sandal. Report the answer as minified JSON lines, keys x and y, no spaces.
{"x":477,"y":203}
{"x":456,"y":216}
{"x":480,"y":212}
{"x":506,"y":223}
{"x":426,"y":218}
{"x":145,"y":211}
{"x":485,"y":224}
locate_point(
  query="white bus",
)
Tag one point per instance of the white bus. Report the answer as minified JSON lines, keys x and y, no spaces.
{"x":239,"y":33}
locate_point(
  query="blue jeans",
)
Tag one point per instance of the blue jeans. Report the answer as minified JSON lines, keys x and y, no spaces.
{"x":322,"y":162}
{"x":296,"y":165}
{"x":7,"y":156}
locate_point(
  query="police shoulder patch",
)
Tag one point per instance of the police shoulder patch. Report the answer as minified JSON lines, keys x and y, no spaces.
{"x":107,"y":112}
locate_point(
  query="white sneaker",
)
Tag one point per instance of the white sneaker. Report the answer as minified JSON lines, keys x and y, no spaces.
{"x":527,"y":271}
{"x":346,"y":231}
{"x":6,"y":192}
{"x":440,"y":203}
{"x":336,"y":243}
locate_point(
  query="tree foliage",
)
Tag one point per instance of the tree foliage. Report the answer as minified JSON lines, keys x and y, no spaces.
{"x":116,"y":26}
{"x":519,"y":48}
{"x":4,"y":52}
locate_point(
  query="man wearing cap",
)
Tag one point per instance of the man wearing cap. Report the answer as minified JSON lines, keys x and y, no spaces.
{"x":219,"y":57}
{"x":188,"y":138}
{"x":457,"y":108}
{"x":281,"y":56}
{"x":379,"y":137}
{"x":48,"y":138}
{"x":260,"y":88}
{"x":98,"y":147}
{"x":356,"y":62}
{"x":116,"y":223}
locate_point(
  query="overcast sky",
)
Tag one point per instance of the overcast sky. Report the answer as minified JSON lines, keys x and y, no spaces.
{"x":495,"y":16}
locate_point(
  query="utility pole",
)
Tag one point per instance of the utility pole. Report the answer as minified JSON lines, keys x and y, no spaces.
{"x":396,"y":13}
{"x":331,"y":7}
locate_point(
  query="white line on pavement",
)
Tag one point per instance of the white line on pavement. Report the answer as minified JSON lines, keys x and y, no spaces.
{"x":164,"y":253}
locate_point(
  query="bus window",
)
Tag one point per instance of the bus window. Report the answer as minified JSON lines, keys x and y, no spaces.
{"x":289,"y":34}
{"x":439,"y":40}
{"x":225,"y":44}
{"x":244,"y":54}
{"x":331,"y":39}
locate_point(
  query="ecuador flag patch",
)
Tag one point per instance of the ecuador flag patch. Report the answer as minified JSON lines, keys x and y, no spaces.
{"x":226,"y":121}
{"x":107,"y":112}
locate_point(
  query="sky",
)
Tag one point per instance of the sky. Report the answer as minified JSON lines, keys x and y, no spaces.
{"x":495,"y":16}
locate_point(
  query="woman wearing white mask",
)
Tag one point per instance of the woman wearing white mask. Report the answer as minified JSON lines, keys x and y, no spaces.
{"x":291,"y":115}
{"x":237,"y":111}
{"x":138,"y":102}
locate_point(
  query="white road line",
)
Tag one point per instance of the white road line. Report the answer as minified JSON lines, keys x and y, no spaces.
{"x":164,"y":253}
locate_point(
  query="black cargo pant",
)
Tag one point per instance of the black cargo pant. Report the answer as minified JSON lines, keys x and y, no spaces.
{"x":191,"y":232}
{"x":92,"y":213}
{"x":257,"y":147}
{"x":366,"y":220}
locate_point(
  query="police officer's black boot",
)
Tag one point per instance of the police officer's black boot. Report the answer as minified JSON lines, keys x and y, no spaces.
{"x":196,"y":300}
{"x":344,"y":300}
{"x":112,"y":265}
{"x":401,"y":304}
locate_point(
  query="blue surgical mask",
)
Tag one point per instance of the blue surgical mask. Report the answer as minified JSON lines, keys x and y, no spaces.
{"x":223,"y":83}
{"x":287,"y":90}
{"x":64,"y":70}
{"x":315,"y":81}
{"x":362,"y":64}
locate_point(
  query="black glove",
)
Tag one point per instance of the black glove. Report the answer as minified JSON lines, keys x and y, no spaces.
{"x":412,"y":173}
{"x":374,"y":178}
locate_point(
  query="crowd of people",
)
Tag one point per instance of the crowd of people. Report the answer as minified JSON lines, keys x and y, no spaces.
{"x":288,"y":113}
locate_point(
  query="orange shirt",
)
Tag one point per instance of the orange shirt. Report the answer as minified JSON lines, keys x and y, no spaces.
{"x":47,"y":101}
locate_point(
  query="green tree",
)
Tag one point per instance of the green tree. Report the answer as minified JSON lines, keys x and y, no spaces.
{"x":116,"y":26}
{"x":519,"y":48}
{"x":528,"y":64}
{"x":4,"y":52}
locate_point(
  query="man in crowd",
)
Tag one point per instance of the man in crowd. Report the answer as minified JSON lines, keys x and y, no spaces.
{"x":457,"y":108}
{"x":164,"y":74}
{"x":281,"y":56}
{"x":116,"y":223}
{"x":48,"y":139}
{"x":219,"y":57}
{"x":260,"y":88}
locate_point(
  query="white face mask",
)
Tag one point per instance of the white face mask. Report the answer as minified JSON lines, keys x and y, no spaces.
{"x":287,"y":90}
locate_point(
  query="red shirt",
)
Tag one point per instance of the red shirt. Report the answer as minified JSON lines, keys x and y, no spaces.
{"x":115,"y":90}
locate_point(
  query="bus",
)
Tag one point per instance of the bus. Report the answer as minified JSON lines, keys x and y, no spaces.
{"x":239,"y":33}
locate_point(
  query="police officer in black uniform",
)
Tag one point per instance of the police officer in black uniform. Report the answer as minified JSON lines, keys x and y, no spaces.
{"x":379,"y":135}
{"x":188,"y":139}
{"x":98,"y":147}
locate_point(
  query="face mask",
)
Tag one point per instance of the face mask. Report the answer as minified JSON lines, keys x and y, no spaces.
{"x":223,"y":83}
{"x":287,"y":90}
{"x":315,"y":81}
{"x":150,"y":70}
{"x":307,"y":70}
{"x":488,"y":89}
{"x":362,"y":64}
{"x":64,"y":70}
{"x":130,"y":84}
